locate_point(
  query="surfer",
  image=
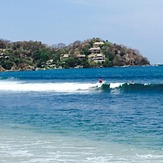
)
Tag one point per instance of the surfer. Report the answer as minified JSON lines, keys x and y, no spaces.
{"x":100,"y":80}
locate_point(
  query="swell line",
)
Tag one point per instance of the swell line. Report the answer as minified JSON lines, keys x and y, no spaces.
{"x":133,"y":87}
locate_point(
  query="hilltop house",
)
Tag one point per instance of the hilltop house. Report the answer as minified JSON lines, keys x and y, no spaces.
{"x":98,"y":44}
{"x":81,"y":56}
{"x":65,"y":56}
{"x":95,"y":55}
{"x":95,"y":50}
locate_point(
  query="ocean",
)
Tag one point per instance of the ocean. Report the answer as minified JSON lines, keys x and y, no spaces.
{"x":66,"y":116}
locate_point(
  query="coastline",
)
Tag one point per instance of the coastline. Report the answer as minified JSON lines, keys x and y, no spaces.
{"x":42,"y":69}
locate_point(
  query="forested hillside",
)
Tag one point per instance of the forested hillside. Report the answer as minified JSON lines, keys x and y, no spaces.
{"x":31,"y":55}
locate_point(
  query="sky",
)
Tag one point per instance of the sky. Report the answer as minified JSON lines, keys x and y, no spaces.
{"x":137,"y":24}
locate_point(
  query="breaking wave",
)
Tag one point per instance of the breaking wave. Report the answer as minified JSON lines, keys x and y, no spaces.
{"x":45,"y":87}
{"x":77,"y":87}
{"x":133,"y":87}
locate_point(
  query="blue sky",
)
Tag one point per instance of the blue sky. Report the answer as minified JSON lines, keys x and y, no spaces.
{"x":137,"y":24}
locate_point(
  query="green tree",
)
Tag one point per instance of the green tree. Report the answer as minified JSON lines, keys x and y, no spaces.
{"x":7,"y":64}
{"x":85,"y":64}
{"x":107,"y":63}
{"x":72,"y":62}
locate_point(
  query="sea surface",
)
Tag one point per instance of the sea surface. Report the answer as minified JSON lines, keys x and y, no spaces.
{"x":66,"y":116}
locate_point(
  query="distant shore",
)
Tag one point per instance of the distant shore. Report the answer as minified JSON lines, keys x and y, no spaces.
{"x":91,"y":53}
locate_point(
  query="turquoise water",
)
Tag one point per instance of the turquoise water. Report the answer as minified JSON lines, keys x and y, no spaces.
{"x":67,"y":116}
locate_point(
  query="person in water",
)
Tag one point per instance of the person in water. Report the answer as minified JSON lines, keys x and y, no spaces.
{"x":100,"y":80}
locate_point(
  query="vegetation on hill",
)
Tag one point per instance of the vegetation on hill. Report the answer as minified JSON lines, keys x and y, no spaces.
{"x":27,"y":55}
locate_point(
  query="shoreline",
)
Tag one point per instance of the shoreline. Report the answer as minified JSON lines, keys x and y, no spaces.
{"x":44,"y":69}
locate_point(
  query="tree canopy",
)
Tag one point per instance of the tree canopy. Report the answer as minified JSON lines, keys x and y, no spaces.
{"x":26,"y":55}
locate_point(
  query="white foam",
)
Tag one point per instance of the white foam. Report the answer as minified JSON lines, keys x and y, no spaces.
{"x":56,"y":87}
{"x":115,"y":85}
{"x":20,"y":153}
{"x":28,"y":146}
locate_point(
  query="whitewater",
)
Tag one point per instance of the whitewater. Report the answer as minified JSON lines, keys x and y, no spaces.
{"x":67,"y":116}
{"x":76,"y":87}
{"x":37,"y":87}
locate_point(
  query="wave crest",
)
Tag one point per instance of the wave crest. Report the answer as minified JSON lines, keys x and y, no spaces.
{"x":133,"y":87}
{"x":78,"y":87}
